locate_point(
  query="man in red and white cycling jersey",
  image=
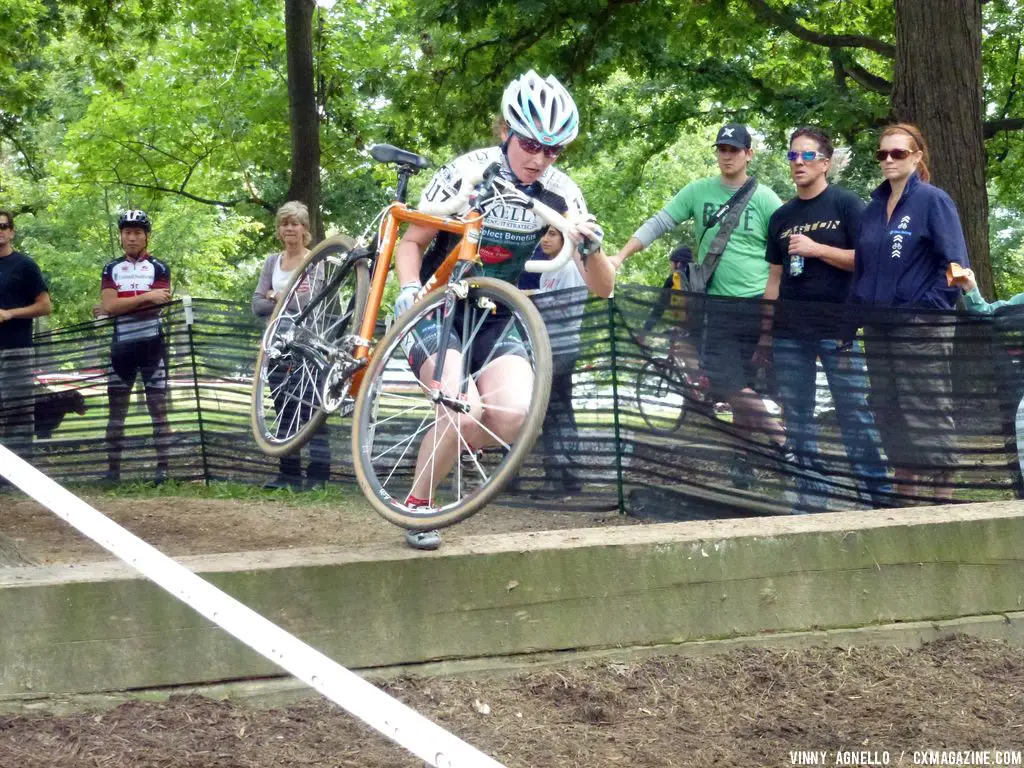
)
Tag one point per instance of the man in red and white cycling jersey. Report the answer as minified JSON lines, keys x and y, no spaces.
{"x":132,"y":289}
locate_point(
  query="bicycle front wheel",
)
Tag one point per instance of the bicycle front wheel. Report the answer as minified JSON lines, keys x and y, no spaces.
{"x":461,"y":439}
{"x":306,"y":346}
{"x":660,"y":403}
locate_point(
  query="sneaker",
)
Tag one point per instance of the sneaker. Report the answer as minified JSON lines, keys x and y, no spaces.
{"x":160,"y":477}
{"x":426,"y":541}
{"x":314,"y":484}
{"x":423,"y":540}
{"x":110,"y":478}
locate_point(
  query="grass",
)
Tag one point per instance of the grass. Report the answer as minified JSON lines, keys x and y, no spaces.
{"x":334,"y":493}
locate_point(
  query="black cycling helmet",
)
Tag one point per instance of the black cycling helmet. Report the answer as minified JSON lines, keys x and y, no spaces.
{"x":134,"y":219}
{"x":681,"y":254}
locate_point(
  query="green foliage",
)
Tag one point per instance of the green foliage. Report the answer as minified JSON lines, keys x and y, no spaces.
{"x":1007,"y":238}
{"x":182,"y":109}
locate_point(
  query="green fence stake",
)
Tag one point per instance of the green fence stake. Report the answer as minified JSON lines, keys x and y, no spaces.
{"x":189,"y":322}
{"x":615,"y":408}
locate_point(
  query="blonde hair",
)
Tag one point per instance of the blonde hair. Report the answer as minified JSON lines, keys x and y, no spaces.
{"x":293,"y":209}
{"x":916,"y":136}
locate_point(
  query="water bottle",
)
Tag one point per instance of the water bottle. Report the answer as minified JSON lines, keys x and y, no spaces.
{"x":796,"y":265}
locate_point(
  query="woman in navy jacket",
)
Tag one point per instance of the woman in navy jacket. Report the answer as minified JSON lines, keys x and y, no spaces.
{"x":910,"y":233}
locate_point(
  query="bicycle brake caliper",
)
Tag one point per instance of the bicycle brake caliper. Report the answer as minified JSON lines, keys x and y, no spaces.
{"x":455,"y":291}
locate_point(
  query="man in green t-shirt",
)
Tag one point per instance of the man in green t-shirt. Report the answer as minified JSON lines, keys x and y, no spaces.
{"x":742,"y":272}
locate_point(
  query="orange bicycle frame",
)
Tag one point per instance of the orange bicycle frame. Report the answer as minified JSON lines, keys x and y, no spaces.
{"x":467,"y":249}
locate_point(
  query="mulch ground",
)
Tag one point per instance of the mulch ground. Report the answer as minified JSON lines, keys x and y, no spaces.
{"x":748,"y":708}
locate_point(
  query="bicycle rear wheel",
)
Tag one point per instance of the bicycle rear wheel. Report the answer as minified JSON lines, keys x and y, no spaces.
{"x":397,"y":417}
{"x":305,"y":356}
{"x":659,"y":400}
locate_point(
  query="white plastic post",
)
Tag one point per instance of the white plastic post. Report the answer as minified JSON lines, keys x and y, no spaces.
{"x":186,"y":303}
{"x":401,"y":724}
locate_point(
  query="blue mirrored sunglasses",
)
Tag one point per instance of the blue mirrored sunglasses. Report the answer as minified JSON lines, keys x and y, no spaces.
{"x":808,"y":155}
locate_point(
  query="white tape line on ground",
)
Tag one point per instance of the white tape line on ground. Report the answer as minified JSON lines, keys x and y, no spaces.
{"x":395,"y":720}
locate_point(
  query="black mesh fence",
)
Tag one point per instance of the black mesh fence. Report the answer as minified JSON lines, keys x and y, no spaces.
{"x":657,"y":408}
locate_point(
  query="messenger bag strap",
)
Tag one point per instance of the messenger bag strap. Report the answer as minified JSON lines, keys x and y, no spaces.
{"x":728,"y":216}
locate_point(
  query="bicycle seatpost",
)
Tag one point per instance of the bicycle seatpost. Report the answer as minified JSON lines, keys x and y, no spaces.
{"x":404,"y":172}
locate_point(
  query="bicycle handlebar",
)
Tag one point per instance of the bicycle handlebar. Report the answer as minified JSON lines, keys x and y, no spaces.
{"x":486,"y":188}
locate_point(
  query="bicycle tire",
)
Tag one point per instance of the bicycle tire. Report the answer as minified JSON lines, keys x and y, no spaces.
{"x":276,"y":374}
{"x":653,"y":385}
{"x":387,"y":497}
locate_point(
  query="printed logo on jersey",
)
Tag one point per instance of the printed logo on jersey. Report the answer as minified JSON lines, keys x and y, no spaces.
{"x":494,"y":254}
{"x":900,"y":235}
{"x":802,"y":229}
{"x":132,"y":278}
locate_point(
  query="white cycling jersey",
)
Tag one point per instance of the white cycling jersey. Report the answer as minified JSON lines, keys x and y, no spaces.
{"x":510,"y":232}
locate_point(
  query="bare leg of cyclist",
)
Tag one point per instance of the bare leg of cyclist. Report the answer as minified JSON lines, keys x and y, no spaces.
{"x":505,"y":386}
{"x":451,"y":433}
{"x":499,"y":401}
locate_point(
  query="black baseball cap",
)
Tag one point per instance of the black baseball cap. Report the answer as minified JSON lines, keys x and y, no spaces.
{"x":681,"y":254}
{"x":735,"y":135}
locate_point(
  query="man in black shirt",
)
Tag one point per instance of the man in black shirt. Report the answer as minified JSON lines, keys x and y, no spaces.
{"x":23,"y":296}
{"x":810,"y":249}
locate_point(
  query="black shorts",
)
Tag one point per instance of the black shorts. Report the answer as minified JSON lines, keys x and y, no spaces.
{"x":138,"y":356}
{"x":494,"y":339}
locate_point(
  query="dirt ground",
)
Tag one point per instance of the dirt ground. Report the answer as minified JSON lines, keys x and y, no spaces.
{"x":745,"y":709}
{"x":749,"y":708}
{"x":180,"y":525}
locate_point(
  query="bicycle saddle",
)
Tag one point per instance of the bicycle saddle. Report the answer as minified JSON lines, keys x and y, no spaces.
{"x":385,"y":153}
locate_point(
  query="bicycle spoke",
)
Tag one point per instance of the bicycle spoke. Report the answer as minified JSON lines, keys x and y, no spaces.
{"x":408,"y":445}
{"x":422,"y":437}
{"x":323,"y":302}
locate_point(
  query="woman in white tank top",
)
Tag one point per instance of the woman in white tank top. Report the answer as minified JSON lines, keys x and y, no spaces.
{"x":293,"y":232}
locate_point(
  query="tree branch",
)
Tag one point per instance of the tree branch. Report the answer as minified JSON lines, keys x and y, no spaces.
{"x":867,"y":79}
{"x":992,"y":127}
{"x":204,"y":200}
{"x":791,"y":24}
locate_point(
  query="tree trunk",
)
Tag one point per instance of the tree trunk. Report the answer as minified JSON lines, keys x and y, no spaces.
{"x":938,"y":87}
{"x":302,"y":107}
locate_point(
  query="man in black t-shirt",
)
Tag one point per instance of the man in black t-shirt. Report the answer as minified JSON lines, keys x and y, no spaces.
{"x":810,"y":249}
{"x":23,"y":296}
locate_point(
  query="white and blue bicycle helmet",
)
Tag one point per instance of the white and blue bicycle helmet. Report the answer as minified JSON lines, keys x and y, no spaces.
{"x":540,"y":108}
{"x":134,"y":218}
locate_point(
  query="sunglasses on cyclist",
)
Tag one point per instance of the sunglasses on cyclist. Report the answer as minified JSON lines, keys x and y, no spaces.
{"x":808,"y":156}
{"x":532,"y":147}
{"x":897,"y":154}
{"x":4,"y":226}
